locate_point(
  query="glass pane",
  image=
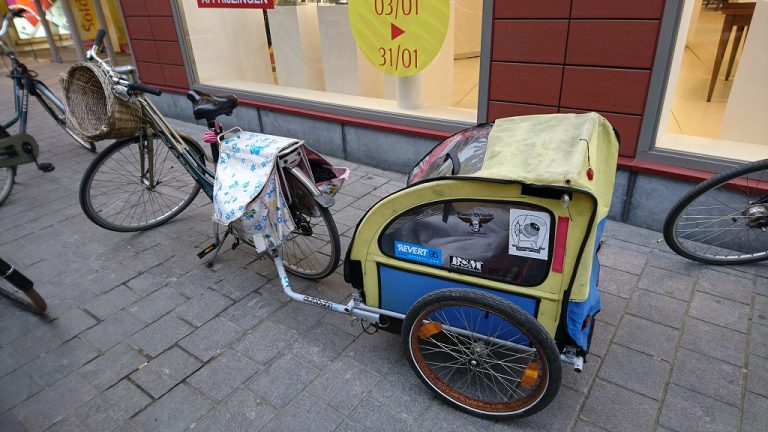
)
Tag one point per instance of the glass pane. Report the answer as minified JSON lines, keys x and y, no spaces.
{"x":307,"y":50}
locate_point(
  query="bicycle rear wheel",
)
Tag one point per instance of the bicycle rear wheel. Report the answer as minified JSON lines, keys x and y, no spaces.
{"x":7,"y":176}
{"x":481,"y":354}
{"x":313,"y":249}
{"x":723,"y":220}
{"x":116,"y":195}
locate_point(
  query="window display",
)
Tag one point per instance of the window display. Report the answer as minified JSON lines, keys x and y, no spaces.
{"x":716,"y":96}
{"x":332,"y":53}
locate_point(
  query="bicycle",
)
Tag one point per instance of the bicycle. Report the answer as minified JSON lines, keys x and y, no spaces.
{"x":723,"y":220}
{"x":24,"y":85}
{"x":144,"y":181}
{"x":20,"y":284}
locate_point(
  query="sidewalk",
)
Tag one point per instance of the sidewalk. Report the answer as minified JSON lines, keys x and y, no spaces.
{"x":141,"y":336}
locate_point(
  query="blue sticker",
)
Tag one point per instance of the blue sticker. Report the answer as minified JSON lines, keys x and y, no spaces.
{"x":418,"y":253}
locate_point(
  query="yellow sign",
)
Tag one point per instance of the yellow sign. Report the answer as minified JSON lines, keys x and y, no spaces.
{"x":399,"y":37}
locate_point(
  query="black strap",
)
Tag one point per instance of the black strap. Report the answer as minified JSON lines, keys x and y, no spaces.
{"x":14,"y":276}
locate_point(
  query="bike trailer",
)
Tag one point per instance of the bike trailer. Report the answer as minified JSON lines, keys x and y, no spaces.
{"x":514,"y":209}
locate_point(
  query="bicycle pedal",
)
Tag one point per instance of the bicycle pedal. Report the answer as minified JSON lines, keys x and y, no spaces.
{"x":46,"y":167}
{"x":208,"y":249}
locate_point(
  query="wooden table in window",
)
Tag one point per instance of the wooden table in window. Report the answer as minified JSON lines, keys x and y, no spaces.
{"x":737,"y":15}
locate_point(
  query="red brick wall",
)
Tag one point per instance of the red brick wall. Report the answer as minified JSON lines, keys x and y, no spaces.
{"x":572,"y":56}
{"x":155,"y":44}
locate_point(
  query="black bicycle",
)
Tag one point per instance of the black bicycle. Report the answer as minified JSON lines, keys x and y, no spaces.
{"x":20,"y":284}
{"x":723,"y":220}
{"x":25,"y":83}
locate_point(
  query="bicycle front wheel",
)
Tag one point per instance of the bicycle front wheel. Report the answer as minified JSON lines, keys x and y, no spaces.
{"x":313,"y":249}
{"x":723,"y":220}
{"x":7,"y":176}
{"x":122,"y":191}
{"x":481,"y":354}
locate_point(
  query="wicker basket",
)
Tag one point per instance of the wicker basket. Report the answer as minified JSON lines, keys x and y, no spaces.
{"x":93,"y":111}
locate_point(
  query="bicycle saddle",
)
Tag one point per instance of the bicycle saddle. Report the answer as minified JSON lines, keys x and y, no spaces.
{"x":209,"y":106}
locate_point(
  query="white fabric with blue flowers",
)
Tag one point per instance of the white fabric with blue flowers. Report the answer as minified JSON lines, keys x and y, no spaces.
{"x":246,"y":194}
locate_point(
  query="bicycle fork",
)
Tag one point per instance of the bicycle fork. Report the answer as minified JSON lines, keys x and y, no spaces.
{"x":146,"y":160}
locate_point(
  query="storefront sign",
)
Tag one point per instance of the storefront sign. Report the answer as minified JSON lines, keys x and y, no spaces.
{"x":400,"y":37}
{"x":237,"y":4}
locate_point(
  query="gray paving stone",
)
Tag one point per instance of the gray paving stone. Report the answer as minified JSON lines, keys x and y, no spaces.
{"x":687,"y":411}
{"x":386,"y":190}
{"x":242,"y":412}
{"x":113,"y":330}
{"x":16,"y":387}
{"x":612,"y":307}
{"x":282,"y":380}
{"x":113,"y":407}
{"x":67,"y":424}
{"x":200,"y":309}
{"x":441,"y":418}
{"x":222,"y":375}
{"x":647,"y":337}
{"x":176,"y":411}
{"x":148,"y":282}
{"x":112,"y":366}
{"x":240,"y":284}
{"x":159,"y":336}
{"x":164,"y":372}
{"x":377,"y":352}
{"x":707,"y":376}
{"x":581,"y":381}
{"x":266,"y":341}
{"x":343,"y":385}
{"x":601,"y":336}
{"x":65,"y":327}
{"x":673,"y":262}
{"x":761,"y":286}
{"x":720,"y":311}
{"x":110,"y":302}
{"x":622,"y":259}
{"x":617,"y":409}
{"x":724,"y":285}
{"x":155,"y":305}
{"x":53,"y":365}
{"x":401,"y":391}
{"x":320,"y":345}
{"x":210,"y":339}
{"x":298,"y":316}
{"x":656,"y":307}
{"x":110,"y":277}
{"x":617,"y":282}
{"x":23,"y":350}
{"x":53,"y":403}
{"x":757,"y":375}
{"x":357,"y":189}
{"x":250,"y":311}
{"x":666,"y":282}
{"x":582,"y":426}
{"x":755,"y":417}
{"x":560,"y":413}
{"x":304,"y":414}
{"x":18,"y":322}
{"x":10,"y":423}
{"x":634,"y":370}
{"x":370,"y":415}
{"x":760,"y":312}
{"x":715,"y":341}
{"x":758,"y":343}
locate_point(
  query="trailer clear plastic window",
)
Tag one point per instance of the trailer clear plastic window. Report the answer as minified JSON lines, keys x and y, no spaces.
{"x":510,"y":242}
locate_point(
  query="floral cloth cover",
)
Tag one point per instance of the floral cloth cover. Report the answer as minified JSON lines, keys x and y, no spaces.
{"x":246,"y":194}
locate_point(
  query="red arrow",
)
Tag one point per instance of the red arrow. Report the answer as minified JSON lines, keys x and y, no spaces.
{"x":396,"y":31}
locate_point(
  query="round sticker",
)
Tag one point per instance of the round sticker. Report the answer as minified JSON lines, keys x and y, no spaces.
{"x":399,"y":37}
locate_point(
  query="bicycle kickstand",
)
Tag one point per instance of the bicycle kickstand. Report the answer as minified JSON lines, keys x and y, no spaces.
{"x":209,"y":264}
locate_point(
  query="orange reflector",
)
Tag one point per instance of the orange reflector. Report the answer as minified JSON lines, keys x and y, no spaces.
{"x":430,"y":329}
{"x":530,"y":375}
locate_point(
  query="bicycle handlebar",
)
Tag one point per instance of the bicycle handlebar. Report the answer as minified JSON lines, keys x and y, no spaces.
{"x":144,"y":88}
{"x":99,"y":38}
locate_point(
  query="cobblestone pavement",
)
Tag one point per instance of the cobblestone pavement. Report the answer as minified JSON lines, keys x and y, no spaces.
{"x":141,"y":336}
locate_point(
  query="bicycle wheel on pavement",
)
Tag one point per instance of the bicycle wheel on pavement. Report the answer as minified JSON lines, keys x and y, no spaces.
{"x":313,"y":248}
{"x":723,"y":220}
{"x":117,"y":195}
{"x":481,"y":354}
{"x":7,"y":176}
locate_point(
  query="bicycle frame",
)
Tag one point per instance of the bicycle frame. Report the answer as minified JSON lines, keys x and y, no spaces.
{"x":24,"y":85}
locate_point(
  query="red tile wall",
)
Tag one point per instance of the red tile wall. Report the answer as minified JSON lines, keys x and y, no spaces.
{"x":155,"y":42}
{"x":574,"y":56}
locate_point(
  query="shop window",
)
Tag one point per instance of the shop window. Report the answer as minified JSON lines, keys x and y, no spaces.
{"x":510,"y":242}
{"x":717,"y":99}
{"x":307,"y":51}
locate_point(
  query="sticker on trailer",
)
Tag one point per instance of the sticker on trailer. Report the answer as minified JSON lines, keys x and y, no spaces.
{"x":418,"y":253}
{"x":529,"y":233}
